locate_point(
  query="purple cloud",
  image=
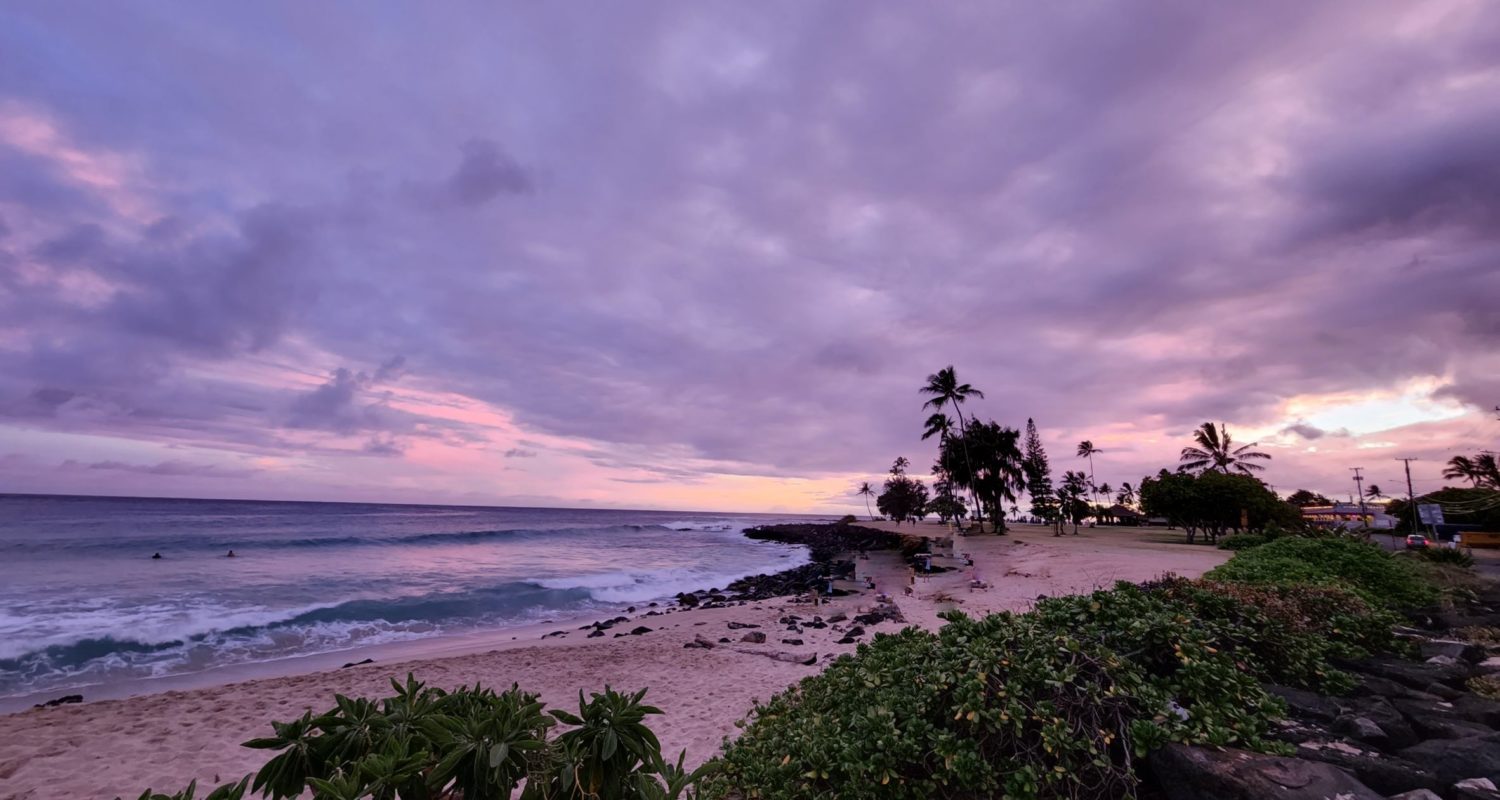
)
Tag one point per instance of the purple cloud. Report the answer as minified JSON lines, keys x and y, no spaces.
{"x":716,"y":240}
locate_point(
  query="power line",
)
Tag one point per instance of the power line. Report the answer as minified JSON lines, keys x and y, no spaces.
{"x":1411,"y":497}
{"x":1360,"y":489}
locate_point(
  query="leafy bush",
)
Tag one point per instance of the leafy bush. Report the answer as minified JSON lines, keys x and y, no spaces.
{"x":1486,"y":686}
{"x":1359,"y":566}
{"x":1242,"y":541}
{"x":848,"y":519}
{"x":1054,"y":703}
{"x":1286,"y":634}
{"x":424,"y":743}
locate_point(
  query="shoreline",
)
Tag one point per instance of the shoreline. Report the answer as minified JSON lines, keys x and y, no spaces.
{"x":106,"y":747}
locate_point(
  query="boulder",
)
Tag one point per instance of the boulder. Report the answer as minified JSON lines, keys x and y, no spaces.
{"x":1197,"y":773}
{"x":1453,"y":760}
{"x":639,"y":630}
{"x":1417,"y":794}
{"x":1412,"y":674}
{"x":700,"y":643}
{"x":1304,"y":704}
{"x":734,"y":626}
{"x":1439,"y":691}
{"x":1474,"y":708}
{"x":1361,"y":729}
{"x":1380,"y":711}
{"x":1475,"y":789}
{"x":754,"y":637}
{"x":1374,"y":686}
{"x":792,"y":642}
{"x":1383,"y":773}
{"x":1452,"y":648}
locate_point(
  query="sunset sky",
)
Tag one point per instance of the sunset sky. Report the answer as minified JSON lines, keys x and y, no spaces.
{"x":702,"y":255}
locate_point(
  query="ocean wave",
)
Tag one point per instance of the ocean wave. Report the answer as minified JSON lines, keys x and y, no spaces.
{"x":154,"y":650}
{"x":216,"y":542}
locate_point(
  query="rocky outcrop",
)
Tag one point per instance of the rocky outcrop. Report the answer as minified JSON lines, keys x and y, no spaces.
{"x":1200,"y":773}
{"x":827,"y":542}
{"x":1410,"y":729}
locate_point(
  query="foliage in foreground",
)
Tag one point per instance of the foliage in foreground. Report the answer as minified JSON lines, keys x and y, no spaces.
{"x":425,"y":744}
{"x":1242,"y":541}
{"x":1359,"y":566}
{"x":1057,"y":702}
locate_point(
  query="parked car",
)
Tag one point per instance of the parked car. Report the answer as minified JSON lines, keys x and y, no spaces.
{"x":1416,"y":541}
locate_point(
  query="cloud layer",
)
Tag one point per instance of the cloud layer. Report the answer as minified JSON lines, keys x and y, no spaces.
{"x":703,"y":254}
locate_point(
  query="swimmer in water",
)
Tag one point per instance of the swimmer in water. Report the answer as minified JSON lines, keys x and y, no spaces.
{"x":156,"y":556}
{"x":231,"y":554}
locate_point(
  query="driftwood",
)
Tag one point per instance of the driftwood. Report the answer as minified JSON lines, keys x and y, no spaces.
{"x":790,"y":658}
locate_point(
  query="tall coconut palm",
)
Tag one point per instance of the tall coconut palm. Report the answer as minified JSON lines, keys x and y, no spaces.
{"x":1086,"y":449}
{"x":1374,"y":492}
{"x":1126,"y":496}
{"x":868,"y":491}
{"x":1216,"y":452}
{"x":1462,"y":468}
{"x":944,"y":389}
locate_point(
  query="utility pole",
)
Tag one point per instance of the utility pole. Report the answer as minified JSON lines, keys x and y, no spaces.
{"x":1359,"y":489}
{"x":1411,"y":498}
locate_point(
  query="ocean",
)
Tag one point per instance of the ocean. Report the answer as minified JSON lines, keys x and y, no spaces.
{"x":83,"y":604}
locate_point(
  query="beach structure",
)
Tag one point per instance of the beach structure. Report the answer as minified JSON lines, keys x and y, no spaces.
{"x":1349,"y":515}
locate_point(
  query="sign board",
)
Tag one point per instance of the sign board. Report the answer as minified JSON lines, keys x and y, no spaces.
{"x":1430,"y":514}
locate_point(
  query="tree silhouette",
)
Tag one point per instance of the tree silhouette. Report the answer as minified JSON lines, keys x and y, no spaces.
{"x":868,"y":491}
{"x":1216,"y":452}
{"x":944,"y":389}
{"x":1086,"y":449}
{"x":1038,"y":474}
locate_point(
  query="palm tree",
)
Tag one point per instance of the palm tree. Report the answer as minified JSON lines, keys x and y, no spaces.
{"x":1374,"y":493}
{"x":938,"y":425}
{"x":944,"y":388}
{"x":868,"y":491}
{"x":899,"y":466}
{"x":1216,"y":451}
{"x":1086,"y":449}
{"x":1462,"y":468}
{"x":1126,"y":497}
{"x":1488,"y":469}
{"x":1074,"y":488}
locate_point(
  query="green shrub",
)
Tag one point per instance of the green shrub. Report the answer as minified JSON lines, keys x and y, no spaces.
{"x":1242,"y":541}
{"x":1054,"y":703}
{"x":424,"y":744}
{"x":1286,"y":634}
{"x":1486,"y":686}
{"x":848,"y":519}
{"x":1356,"y":565}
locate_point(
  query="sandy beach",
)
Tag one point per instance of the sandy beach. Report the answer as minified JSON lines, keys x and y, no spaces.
{"x":119,"y":747}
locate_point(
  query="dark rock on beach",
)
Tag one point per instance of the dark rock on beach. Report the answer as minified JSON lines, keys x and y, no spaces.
{"x":69,"y":699}
{"x":346,"y":666}
{"x":1453,"y":760}
{"x":1197,"y":773}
